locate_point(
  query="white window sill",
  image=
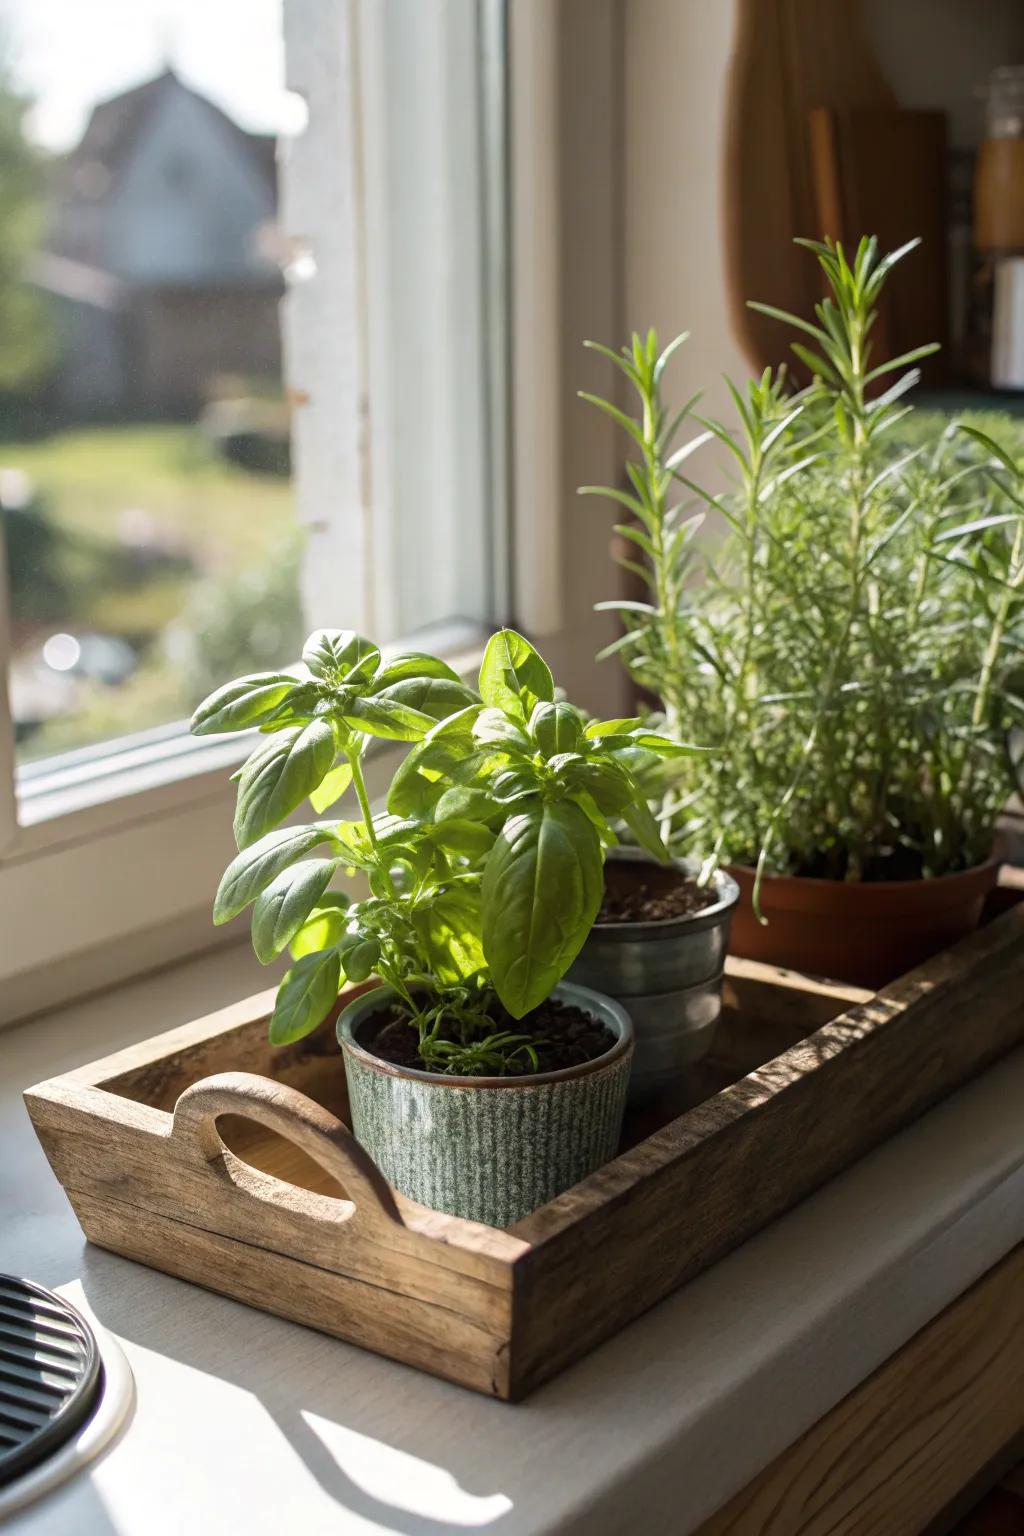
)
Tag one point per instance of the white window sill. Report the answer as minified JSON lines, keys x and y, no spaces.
{"x":265,"y":1426}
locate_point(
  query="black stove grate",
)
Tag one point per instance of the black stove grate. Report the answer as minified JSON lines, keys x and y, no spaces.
{"x":50,"y":1374}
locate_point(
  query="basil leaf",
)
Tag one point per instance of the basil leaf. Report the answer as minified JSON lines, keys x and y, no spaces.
{"x":646,"y":767}
{"x":541,"y":891}
{"x":598,"y":729}
{"x":279,"y":777}
{"x":455,"y":835}
{"x":415,"y":788}
{"x":463,"y":803}
{"x":448,"y":928}
{"x":413,"y":664}
{"x":513,"y":784}
{"x":438,"y":697}
{"x":246,"y":702}
{"x":640,"y":820}
{"x":563,"y":760}
{"x":302,"y":703}
{"x":446,"y":751}
{"x":390,"y":830}
{"x":340,"y":655}
{"x":513,"y":676}
{"x":493,"y":727}
{"x":411,"y":862}
{"x":252,"y":870}
{"x":323,"y":927}
{"x":664,"y":745}
{"x":332,"y":788}
{"x":609,"y":785}
{"x":390,"y":718}
{"x":353,"y":845}
{"x":457,"y":728}
{"x":284,"y":906}
{"x":306,"y":996}
{"x":588,"y":805}
{"x":556,"y":728}
{"x":359,"y":953}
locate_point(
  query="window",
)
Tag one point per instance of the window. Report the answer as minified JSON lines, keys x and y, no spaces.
{"x":149,"y":522}
{"x":341,"y":164}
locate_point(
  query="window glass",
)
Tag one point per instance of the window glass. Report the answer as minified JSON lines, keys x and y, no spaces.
{"x":151,"y":543}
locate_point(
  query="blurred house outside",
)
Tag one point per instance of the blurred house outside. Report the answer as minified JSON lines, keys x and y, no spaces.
{"x":158,"y":259}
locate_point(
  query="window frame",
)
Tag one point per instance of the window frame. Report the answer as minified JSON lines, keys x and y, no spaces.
{"x":111,"y":868}
{"x":8,"y":763}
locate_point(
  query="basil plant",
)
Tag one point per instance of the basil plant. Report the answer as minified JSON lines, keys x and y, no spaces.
{"x":485,"y":871}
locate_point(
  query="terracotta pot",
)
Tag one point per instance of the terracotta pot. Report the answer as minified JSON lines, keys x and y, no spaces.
{"x":864,"y":932}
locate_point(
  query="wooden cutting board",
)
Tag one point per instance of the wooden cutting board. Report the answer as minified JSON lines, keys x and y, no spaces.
{"x":790,"y":56}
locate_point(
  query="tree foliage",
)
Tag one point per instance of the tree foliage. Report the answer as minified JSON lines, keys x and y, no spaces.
{"x":25,"y":348}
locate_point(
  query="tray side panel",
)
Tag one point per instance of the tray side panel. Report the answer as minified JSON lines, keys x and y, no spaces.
{"x":413,"y":1332}
{"x":392,"y":1287}
{"x":638,"y":1228}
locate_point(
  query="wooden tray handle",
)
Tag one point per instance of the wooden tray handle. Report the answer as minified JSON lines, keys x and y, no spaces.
{"x":295,"y":1117}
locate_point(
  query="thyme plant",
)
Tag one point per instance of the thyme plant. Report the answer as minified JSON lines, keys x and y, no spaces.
{"x":484,"y":873}
{"x":853,"y":646}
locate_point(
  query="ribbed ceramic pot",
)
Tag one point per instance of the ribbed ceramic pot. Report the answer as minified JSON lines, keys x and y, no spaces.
{"x":667,"y":975}
{"x":489,"y":1149}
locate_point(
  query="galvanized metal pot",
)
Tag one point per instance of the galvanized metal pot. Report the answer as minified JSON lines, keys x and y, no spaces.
{"x":490,"y":1149}
{"x":668,"y":975}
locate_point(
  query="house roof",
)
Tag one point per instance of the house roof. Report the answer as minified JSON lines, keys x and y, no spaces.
{"x":115,"y":125}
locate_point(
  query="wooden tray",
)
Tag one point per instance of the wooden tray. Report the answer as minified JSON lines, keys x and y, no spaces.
{"x":238,"y":1181}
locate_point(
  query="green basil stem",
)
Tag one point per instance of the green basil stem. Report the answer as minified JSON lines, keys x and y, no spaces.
{"x":359,"y":785}
{"x":388,"y":973}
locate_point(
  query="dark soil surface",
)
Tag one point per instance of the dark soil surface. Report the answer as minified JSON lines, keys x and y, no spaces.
{"x":561,"y":1035}
{"x":649,"y":893}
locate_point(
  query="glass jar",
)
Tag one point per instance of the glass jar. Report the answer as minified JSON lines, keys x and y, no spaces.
{"x":999,"y":169}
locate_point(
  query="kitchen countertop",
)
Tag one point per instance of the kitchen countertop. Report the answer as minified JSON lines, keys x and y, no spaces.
{"x":245,"y":1422}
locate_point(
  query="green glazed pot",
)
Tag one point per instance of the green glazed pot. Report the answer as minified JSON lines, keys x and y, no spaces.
{"x":489,"y":1149}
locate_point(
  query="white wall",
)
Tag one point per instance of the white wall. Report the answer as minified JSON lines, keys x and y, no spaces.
{"x":677,"y":56}
{"x":589,"y":182}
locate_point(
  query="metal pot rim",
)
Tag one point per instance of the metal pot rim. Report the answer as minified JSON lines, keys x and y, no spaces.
{"x":607,"y":1010}
{"x":670,"y":927}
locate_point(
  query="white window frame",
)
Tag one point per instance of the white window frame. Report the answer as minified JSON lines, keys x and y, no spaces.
{"x":111,"y":868}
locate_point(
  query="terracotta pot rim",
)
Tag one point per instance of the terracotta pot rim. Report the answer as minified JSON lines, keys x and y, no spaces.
{"x":977,"y":872}
{"x":598,"y":1004}
{"x":871,"y":900}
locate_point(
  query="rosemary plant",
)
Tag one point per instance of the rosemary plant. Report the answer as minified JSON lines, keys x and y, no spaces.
{"x":853,"y":646}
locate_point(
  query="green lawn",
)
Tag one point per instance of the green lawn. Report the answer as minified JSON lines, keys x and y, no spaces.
{"x":90,"y":476}
{"x":214,"y":537}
